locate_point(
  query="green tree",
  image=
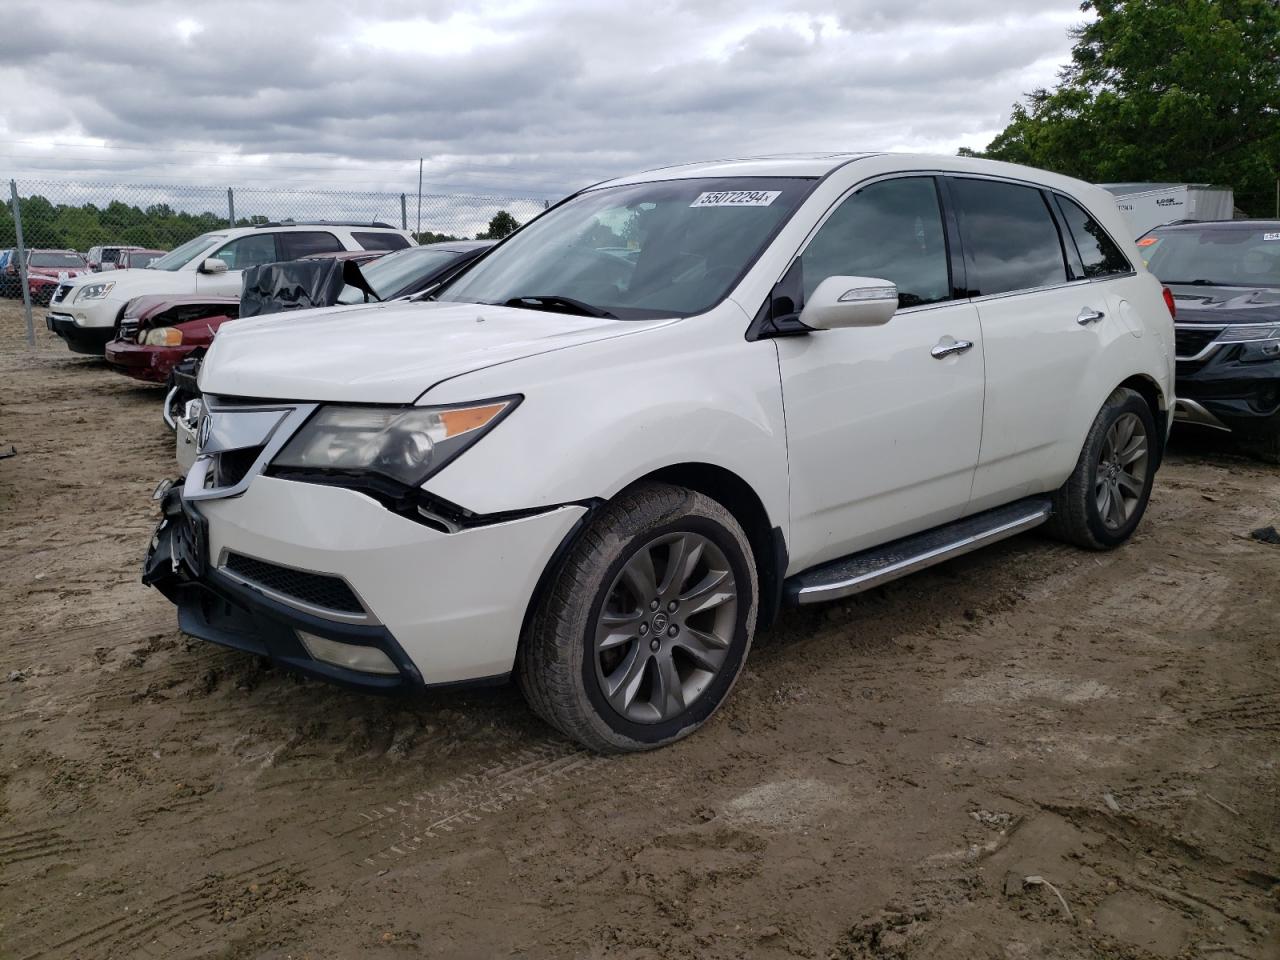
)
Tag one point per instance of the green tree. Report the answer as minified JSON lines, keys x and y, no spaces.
{"x":503,"y":224}
{"x":429,"y":236}
{"x":1162,"y":90}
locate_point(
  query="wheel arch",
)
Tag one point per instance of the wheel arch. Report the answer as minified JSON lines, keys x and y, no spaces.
{"x":768,"y":543}
{"x":1150,"y":391}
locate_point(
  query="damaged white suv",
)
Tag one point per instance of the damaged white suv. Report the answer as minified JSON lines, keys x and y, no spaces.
{"x":675,"y":402}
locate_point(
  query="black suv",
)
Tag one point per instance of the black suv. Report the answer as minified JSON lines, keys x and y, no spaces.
{"x":1225,"y":278}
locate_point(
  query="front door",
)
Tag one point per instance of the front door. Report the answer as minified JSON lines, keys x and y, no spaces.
{"x":882,"y":435}
{"x":252,"y":250}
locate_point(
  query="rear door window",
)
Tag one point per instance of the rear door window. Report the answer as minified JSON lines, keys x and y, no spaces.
{"x":1098,"y":252}
{"x":251,"y":251}
{"x":1010,"y":239}
{"x":306,"y":243}
{"x":380,"y":241}
{"x":891,"y":230}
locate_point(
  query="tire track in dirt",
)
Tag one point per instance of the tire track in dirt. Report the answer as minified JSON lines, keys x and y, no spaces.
{"x":367,"y":838}
{"x":32,"y":845}
{"x":133,"y":931}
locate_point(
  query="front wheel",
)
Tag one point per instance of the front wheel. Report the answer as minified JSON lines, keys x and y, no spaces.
{"x":646,"y":623}
{"x":1103,"y":500}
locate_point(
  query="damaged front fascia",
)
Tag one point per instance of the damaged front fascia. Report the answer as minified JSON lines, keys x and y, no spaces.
{"x":416,"y":504}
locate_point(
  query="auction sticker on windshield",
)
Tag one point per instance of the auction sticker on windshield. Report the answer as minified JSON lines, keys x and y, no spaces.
{"x":737,"y":198}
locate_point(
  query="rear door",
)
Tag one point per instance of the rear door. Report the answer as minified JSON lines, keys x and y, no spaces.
{"x":306,"y":243}
{"x":883,"y":423}
{"x":1039,"y":332}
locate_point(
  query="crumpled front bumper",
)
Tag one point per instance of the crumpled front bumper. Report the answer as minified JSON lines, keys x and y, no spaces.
{"x":1222,"y":391}
{"x":144,"y":362}
{"x":445,"y":608}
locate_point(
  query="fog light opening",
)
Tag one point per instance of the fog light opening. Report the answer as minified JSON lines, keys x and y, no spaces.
{"x":352,"y":656}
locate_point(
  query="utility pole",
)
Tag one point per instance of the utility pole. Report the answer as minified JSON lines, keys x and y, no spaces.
{"x":419,"y":195}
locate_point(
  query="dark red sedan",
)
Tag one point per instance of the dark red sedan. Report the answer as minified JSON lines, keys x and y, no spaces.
{"x":158,"y":331}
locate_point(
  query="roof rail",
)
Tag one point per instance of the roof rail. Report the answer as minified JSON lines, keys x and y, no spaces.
{"x":325,"y":223}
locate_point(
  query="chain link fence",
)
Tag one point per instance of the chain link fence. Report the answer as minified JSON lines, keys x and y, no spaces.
{"x":49,"y":227}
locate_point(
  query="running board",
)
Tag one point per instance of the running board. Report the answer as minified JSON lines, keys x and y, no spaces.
{"x":871,"y":568}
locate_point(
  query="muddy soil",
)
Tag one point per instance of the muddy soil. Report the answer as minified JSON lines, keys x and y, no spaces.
{"x":889,"y":773}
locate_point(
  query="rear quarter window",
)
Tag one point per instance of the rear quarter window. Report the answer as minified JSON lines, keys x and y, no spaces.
{"x":380,"y":241}
{"x":1098,"y":252}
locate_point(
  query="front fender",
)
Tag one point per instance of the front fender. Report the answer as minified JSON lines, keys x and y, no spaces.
{"x":598,"y":416}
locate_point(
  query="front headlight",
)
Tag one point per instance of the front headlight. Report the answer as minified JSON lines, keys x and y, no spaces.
{"x":163,"y":337}
{"x":94,"y":291}
{"x":1259,"y":343}
{"x":407,"y":444}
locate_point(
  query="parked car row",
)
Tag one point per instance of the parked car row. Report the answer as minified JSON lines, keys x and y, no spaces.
{"x":87,"y":312}
{"x":45,"y":270}
{"x":597,"y":455}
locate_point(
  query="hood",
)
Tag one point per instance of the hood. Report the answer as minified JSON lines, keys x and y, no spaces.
{"x":1205,"y":304}
{"x":56,"y":273}
{"x":133,"y":283}
{"x":386,"y":353}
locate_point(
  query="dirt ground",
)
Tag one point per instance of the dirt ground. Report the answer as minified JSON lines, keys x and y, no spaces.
{"x":887,"y":775}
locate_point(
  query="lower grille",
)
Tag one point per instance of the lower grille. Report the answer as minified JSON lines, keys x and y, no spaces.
{"x":1190,"y":342}
{"x":312,"y":589}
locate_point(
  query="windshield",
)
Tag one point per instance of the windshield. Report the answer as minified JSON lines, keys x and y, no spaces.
{"x":1225,"y":256}
{"x":39,"y":259}
{"x":177,"y":259}
{"x":390,"y":274}
{"x":666,"y":249}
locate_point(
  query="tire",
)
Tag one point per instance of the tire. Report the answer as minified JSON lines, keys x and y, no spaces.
{"x":1084,"y":513}
{"x":591,"y":631}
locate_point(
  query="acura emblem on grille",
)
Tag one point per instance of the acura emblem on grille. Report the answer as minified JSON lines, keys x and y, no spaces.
{"x":202,"y":435}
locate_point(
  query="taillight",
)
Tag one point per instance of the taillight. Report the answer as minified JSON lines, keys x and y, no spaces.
{"x":1168,"y":302}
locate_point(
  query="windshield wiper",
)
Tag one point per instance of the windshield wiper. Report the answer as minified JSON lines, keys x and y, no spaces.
{"x":552,"y":302}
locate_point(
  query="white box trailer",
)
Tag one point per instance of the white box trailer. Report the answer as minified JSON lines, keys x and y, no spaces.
{"x":1147,"y":205}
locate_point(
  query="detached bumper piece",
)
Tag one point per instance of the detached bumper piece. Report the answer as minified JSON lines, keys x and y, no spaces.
{"x":214,"y":607}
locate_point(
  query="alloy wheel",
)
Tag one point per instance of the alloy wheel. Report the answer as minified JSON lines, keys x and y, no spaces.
{"x":665,"y":628}
{"x":1121,"y":473}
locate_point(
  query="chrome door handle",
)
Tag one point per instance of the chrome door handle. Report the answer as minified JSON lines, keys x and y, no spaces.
{"x":1088,"y":315}
{"x":943,"y":350}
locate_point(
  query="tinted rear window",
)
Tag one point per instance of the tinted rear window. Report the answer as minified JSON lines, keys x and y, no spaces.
{"x":1010,"y":239}
{"x":381,"y":241}
{"x":1098,"y":252}
{"x":304,"y":243}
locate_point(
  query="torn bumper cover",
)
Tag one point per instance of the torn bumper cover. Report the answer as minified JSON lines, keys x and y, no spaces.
{"x":224,"y":610}
{"x":287,"y":569}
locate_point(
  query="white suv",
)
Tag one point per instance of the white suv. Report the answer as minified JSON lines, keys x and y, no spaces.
{"x":629,"y":434}
{"x":85,"y":312}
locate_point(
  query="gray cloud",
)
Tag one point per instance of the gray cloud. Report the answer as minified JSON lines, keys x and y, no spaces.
{"x":527,"y":97}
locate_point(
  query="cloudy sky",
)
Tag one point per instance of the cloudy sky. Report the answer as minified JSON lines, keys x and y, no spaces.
{"x":517,"y":98}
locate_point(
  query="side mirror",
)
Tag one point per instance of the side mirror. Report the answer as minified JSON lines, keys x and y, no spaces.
{"x":213,"y":265}
{"x":850,"y":302}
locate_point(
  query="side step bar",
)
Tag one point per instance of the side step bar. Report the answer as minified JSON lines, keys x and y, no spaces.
{"x":871,"y":568}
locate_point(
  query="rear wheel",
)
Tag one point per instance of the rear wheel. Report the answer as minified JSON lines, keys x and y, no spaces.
{"x":1103,"y":500}
{"x":646,"y":624}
